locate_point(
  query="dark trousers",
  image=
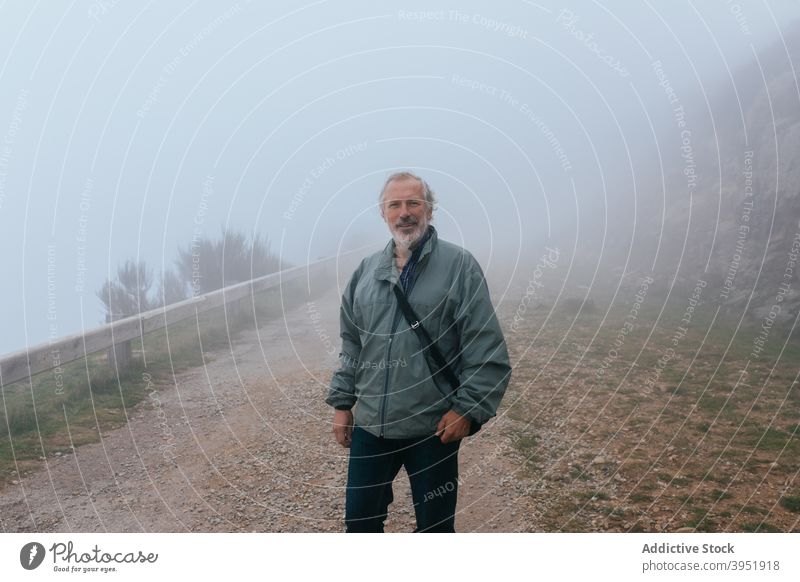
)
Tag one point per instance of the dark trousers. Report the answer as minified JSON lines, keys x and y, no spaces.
{"x":432,"y":469}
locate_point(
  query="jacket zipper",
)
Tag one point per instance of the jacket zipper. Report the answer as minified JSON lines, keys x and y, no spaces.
{"x":395,"y":321}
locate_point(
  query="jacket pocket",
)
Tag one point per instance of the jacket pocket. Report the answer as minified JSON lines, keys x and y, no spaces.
{"x":414,"y":396}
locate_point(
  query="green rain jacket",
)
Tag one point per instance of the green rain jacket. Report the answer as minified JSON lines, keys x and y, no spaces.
{"x":384,"y":374}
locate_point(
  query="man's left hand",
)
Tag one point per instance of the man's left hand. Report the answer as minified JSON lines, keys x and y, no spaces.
{"x":453,"y":427}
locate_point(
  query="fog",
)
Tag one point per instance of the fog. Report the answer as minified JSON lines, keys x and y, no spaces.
{"x":127,"y":129}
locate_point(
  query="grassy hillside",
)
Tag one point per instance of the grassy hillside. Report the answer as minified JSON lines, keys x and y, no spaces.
{"x":40,"y":419}
{"x":635,"y":436}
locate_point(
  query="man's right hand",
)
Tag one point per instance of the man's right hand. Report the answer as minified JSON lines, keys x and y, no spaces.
{"x":343,"y":427}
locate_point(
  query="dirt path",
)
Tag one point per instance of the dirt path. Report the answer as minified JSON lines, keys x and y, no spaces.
{"x":244,"y":444}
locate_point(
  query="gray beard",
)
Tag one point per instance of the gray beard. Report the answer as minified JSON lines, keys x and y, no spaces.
{"x":407,"y":241}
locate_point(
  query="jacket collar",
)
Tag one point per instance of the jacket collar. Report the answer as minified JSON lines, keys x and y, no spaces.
{"x":387,"y":270}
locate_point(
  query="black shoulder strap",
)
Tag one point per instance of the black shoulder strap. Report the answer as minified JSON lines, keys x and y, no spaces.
{"x":428,"y":344}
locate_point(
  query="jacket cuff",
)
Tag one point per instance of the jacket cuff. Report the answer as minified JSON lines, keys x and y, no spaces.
{"x":463,"y":410}
{"x":337,"y":399}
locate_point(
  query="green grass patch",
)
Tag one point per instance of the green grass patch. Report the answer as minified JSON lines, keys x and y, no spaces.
{"x":719,"y":495}
{"x":771,"y":439}
{"x":709,"y":404}
{"x":615,"y":513}
{"x":700,"y":521}
{"x":791,"y":503}
{"x":39,"y":421}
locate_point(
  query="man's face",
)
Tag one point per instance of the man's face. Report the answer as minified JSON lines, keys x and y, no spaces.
{"x":405,"y":211}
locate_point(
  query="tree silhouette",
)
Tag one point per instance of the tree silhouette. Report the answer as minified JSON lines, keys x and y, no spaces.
{"x":207,"y":265}
{"x":171,"y":288}
{"x":128,"y":294}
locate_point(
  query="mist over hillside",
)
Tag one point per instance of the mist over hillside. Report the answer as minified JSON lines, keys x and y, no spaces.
{"x":716,"y":199}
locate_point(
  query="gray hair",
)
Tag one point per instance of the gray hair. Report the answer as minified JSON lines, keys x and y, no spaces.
{"x":429,"y":195}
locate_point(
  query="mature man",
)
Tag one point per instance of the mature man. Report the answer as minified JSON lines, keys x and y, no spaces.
{"x":405,"y":415}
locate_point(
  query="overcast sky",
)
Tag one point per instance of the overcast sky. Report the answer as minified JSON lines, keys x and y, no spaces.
{"x":127,"y":126}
